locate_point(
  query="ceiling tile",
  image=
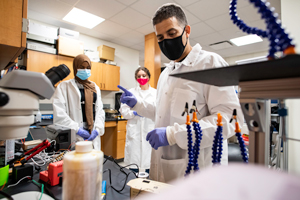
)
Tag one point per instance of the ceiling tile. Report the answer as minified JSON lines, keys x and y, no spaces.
{"x":148,"y":7}
{"x":210,"y":39}
{"x":101,"y":8}
{"x":111,"y":28}
{"x":252,"y":48}
{"x":200,"y":29}
{"x":193,"y":42}
{"x":146,"y":29}
{"x":232,"y":32}
{"x":131,"y":18}
{"x":221,"y":22}
{"x":207,"y":9}
{"x":127,"y":2}
{"x":54,"y":9}
{"x":134,"y":37}
{"x":184,"y":3}
{"x":70,"y":2}
{"x":192,"y":19}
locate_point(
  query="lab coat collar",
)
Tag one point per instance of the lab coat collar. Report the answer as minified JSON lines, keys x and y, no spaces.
{"x":189,"y":60}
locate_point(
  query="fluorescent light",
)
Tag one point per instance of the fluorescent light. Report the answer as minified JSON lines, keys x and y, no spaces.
{"x":82,"y":18}
{"x":248,"y":39}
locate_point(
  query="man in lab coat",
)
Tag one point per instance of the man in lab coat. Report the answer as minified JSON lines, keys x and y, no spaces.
{"x":169,"y":138}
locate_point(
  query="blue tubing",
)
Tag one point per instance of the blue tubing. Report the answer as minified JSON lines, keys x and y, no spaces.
{"x":242,"y":147}
{"x":190,"y":150}
{"x":279,"y":39}
{"x":217,"y":146}
{"x":196,"y":148}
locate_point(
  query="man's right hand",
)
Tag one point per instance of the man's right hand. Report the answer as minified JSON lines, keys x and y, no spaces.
{"x":83,"y":133}
{"x":127,"y":97}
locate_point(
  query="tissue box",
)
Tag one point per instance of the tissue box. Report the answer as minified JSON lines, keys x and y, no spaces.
{"x":106,"y":53}
{"x":142,"y":186}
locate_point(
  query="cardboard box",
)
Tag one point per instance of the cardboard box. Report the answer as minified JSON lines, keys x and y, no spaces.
{"x":106,"y":53}
{"x":140,"y":186}
{"x":69,"y":46}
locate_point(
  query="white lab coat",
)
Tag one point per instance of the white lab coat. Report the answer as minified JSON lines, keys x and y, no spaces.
{"x":67,"y":111}
{"x":137,"y":149}
{"x":172,"y":94}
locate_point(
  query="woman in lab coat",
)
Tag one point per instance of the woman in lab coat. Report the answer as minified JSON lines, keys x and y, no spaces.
{"x":77,"y":104}
{"x":137,"y":149}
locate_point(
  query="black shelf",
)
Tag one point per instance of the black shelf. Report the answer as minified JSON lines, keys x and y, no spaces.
{"x":287,"y":67}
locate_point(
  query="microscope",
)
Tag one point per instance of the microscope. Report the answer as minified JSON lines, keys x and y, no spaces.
{"x":20,"y":92}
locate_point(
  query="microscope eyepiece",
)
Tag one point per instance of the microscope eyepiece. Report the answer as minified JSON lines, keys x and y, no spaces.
{"x":56,"y":74}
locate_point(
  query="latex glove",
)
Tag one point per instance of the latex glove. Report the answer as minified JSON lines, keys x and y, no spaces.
{"x":93,"y":135}
{"x":135,"y":113}
{"x":127,"y":97}
{"x":157,"y":137}
{"x":83,"y":133}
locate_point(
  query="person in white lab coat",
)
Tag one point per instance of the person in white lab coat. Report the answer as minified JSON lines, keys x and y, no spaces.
{"x":77,"y":104}
{"x":169,"y":139}
{"x":137,"y":149}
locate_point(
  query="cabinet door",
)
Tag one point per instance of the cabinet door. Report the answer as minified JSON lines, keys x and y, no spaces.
{"x":12,"y":39}
{"x":69,"y":62}
{"x":96,"y":74}
{"x":111,"y":77}
{"x":40,"y":62}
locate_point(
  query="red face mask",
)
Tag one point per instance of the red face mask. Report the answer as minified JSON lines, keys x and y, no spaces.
{"x":142,"y":81}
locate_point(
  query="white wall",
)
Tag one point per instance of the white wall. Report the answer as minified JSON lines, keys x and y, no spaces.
{"x":290,"y":16}
{"x":232,"y":60}
{"x":127,"y":59}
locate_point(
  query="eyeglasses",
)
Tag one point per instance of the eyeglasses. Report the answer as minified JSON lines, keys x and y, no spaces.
{"x":121,"y":170}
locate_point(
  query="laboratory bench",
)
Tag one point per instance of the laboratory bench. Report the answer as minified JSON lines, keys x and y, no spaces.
{"x":113,"y":140}
{"x":118,"y":179}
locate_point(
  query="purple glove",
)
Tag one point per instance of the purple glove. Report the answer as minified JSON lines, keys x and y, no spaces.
{"x":157,"y":137}
{"x":83,"y":133}
{"x":135,"y":113}
{"x":127,"y":97}
{"x":93,"y":135}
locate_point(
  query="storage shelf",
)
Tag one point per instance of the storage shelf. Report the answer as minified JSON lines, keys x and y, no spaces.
{"x":287,"y":67}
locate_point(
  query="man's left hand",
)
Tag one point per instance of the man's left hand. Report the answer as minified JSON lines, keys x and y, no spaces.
{"x":157,"y":137}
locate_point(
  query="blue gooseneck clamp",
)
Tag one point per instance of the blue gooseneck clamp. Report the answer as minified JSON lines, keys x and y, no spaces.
{"x":279,"y":39}
{"x":239,"y":137}
{"x":193,"y":151}
{"x":218,"y":142}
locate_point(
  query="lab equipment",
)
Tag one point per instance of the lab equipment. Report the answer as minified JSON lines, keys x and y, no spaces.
{"x":217,"y":143}
{"x":127,"y":97}
{"x":93,"y":135}
{"x":53,"y":174}
{"x":193,"y":151}
{"x":61,"y":135}
{"x":239,"y":137}
{"x":83,"y":133}
{"x":279,"y":39}
{"x":157,"y":137}
{"x":20,"y":92}
{"x":82,"y":171}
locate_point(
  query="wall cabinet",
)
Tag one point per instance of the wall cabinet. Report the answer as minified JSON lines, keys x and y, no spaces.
{"x":107,"y":77}
{"x":113,"y":140}
{"x":12,"y":39}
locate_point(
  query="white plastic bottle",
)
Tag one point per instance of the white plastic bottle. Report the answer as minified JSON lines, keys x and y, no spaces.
{"x":82,"y":173}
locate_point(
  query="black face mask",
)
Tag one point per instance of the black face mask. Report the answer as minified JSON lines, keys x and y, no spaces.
{"x":173,"y":48}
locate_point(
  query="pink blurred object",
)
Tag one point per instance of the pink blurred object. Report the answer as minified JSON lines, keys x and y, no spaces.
{"x":233,"y":182}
